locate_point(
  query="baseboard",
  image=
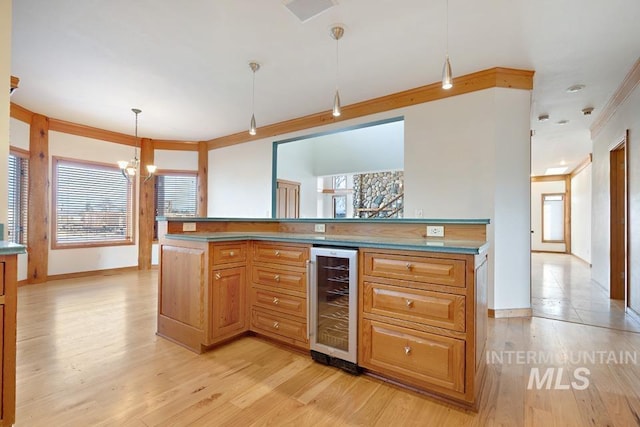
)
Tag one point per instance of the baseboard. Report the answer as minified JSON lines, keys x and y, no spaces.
{"x":22,"y":282}
{"x":106,"y":272}
{"x":548,"y":252}
{"x":510,"y":312}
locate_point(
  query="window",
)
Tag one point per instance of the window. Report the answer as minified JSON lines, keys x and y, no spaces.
{"x":340,"y":182}
{"x":17,"y":217}
{"x":176,"y":195}
{"x":92,"y":204}
{"x":553,"y":218}
{"x":339,"y":206}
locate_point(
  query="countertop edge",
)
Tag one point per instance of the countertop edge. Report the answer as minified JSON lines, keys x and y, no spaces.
{"x":428,"y":246}
{"x":484,"y":221}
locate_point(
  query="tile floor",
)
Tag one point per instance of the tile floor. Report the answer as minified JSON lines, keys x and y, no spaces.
{"x":562,"y":289}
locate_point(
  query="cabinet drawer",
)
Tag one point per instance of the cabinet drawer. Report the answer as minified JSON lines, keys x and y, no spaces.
{"x":416,"y":305}
{"x":280,"y":278}
{"x":277,"y":301}
{"x":229,"y":252}
{"x":418,"y":358}
{"x":416,"y":268}
{"x":280,"y":254}
{"x":274,"y":324}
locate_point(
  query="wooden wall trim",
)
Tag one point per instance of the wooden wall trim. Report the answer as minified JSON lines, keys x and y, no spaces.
{"x":91,"y":132}
{"x":20,"y":113}
{"x":146,"y":210}
{"x":586,"y":162}
{"x":14,"y":82}
{"x":164,"y":144}
{"x":486,"y":79}
{"x":38,"y":205}
{"x":203,"y":179}
{"x":625,"y":89}
{"x":548,"y":178}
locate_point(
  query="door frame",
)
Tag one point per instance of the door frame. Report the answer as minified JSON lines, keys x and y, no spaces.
{"x":617,"y":289}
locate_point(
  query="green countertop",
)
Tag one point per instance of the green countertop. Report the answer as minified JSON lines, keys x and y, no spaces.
{"x":8,"y":248}
{"x":425,"y":245}
{"x":332,"y":220}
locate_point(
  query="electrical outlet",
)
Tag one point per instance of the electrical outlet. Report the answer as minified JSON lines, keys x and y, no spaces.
{"x":435,"y":231}
{"x":188,"y":226}
{"x":419,"y":213}
{"x":318,"y":228}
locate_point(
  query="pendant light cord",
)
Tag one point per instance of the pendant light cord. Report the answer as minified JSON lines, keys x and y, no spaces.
{"x":447,"y":29}
{"x":337,"y":63}
{"x":253,"y":94}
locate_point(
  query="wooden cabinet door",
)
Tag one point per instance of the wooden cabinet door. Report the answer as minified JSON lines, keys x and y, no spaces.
{"x":228,"y":306}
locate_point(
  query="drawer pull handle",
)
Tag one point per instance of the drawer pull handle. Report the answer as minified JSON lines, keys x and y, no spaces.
{"x":276,"y":325}
{"x":407,"y":350}
{"x":409,"y":303}
{"x":232,"y":253}
{"x":277,"y":253}
{"x":276,"y":300}
{"x":276,"y":277}
{"x":409,"y":266}
{"x":218,"y":276}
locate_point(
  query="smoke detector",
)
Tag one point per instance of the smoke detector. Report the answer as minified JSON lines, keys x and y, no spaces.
{"x":575,"y":88}
{"x":587,"y":111}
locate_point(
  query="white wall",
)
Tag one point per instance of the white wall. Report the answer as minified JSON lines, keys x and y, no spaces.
{"x":5,"y":76}
{"x":537,"y":190}
{"x":581,"y":214}
{"x":466,"y":156}
{"x":627,"y":116}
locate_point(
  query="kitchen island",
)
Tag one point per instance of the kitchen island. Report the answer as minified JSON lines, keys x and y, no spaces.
{"x":422,"y":301}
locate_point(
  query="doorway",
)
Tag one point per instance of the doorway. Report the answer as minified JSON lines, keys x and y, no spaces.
{"x":287,"y":199}
{"x":618,"y":226}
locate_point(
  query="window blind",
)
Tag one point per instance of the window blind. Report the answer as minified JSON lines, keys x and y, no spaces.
{"x":17,"y":218}
{"x":176,"y":195}
{"x":93,"y":204}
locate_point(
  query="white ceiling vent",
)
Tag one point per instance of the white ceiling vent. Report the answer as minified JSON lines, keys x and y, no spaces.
{"x":304,"y":10}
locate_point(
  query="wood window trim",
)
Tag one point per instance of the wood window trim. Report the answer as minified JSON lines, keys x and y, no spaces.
{"x":55,"y":160}
{"x":564,"y":210}
{"x":19,"y":152}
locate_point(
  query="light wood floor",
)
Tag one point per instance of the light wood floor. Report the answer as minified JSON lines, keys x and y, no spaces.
{"x":88,"y":356}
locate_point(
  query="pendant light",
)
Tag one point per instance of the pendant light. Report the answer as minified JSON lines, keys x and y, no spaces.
{"x":252,"y":128}
{"x":336,"y":33}
{"x":130,"y":168}
{"x":447,"y":77}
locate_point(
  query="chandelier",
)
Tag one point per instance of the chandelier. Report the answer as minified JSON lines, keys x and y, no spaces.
{"x":130,"y":168}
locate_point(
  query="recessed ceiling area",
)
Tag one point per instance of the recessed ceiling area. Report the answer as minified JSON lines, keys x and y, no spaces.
{"x":185,"y":64}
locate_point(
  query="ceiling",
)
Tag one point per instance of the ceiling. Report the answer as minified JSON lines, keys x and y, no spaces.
{"x":185,"y":64}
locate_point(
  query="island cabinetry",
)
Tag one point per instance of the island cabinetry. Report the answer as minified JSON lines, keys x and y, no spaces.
{"x":279,"y":304}
{"x":418,"y":325}
{"x":202,"y":292}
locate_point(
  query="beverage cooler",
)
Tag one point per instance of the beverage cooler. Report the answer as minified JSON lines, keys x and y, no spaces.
{"x":333,"y":307}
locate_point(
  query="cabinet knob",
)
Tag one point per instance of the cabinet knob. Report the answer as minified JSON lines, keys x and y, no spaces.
{"x":409,"y":266}
{"x":276,"y":277}
{"x":232,"y":253}
{"x":277,"y":253}
{"x":276,"y":325}
{"x":218,"y":276}
{"x":409,"y":303}
{"x":276,"y":300}
{"x":407,"y":350}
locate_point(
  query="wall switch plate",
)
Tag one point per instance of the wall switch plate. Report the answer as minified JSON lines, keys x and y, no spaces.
{"x":435,"y":231}
{"x":318,"y":228}
{"x":188,"y":226}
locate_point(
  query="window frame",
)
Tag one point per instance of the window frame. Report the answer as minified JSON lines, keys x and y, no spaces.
{"x":23,"y":154}
{"x":55,"y":160}
{"x":564,"y":213}
{"x":170,"y":172}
